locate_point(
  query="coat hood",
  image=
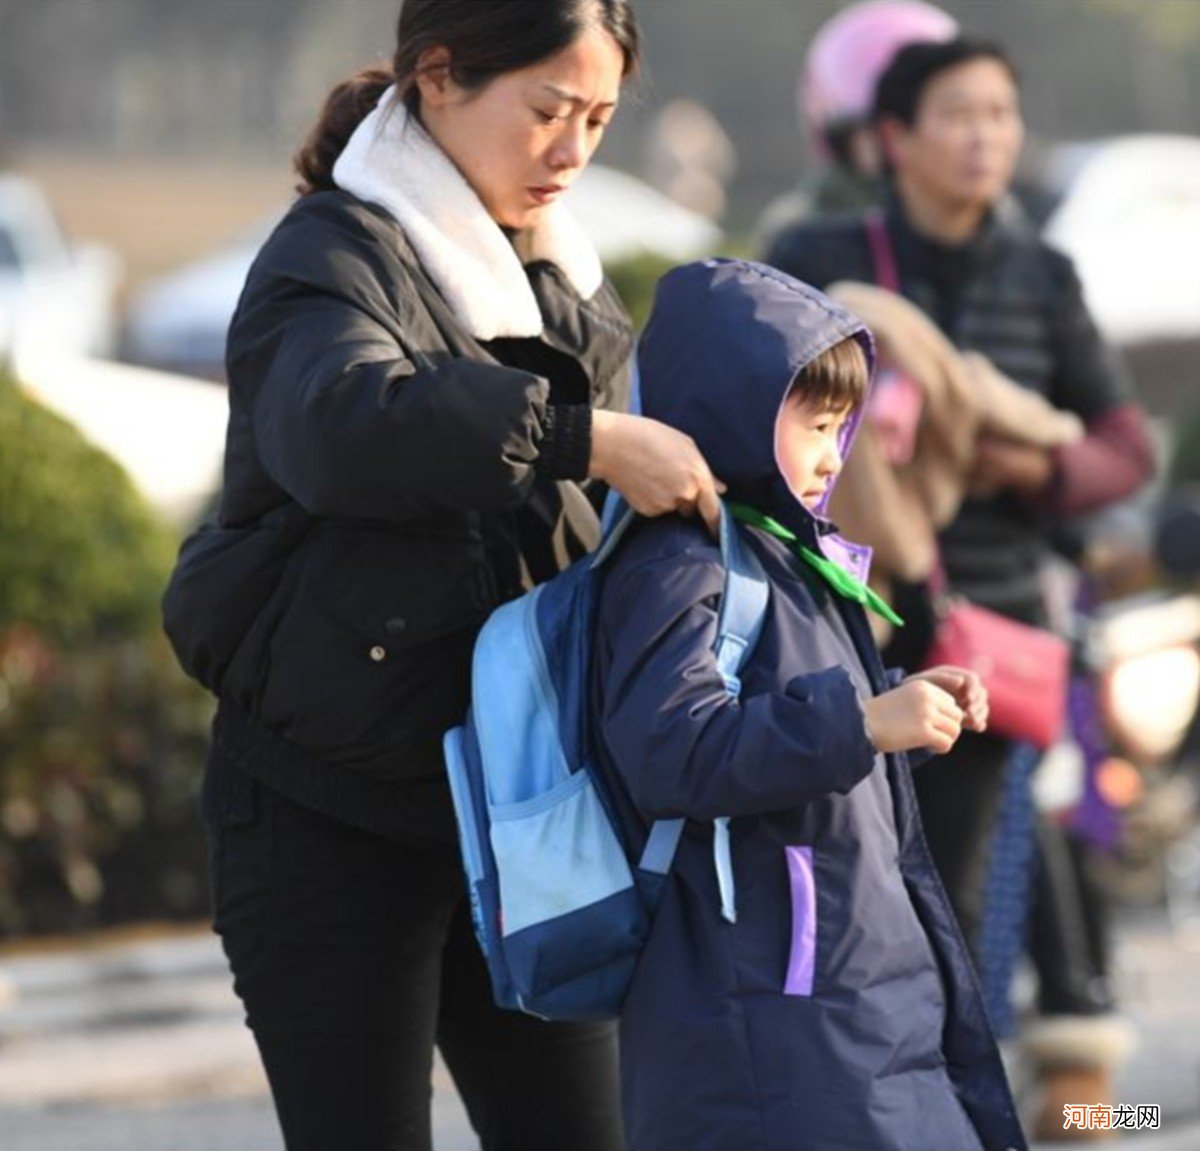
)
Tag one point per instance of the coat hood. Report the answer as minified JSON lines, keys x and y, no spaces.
{"x":723,"y":345}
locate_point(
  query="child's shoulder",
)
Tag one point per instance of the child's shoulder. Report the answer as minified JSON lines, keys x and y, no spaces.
{"x":665,"y":540}
{"x":668,"y":563}
{"x":685,"y":542}
{"x":674,"y":561}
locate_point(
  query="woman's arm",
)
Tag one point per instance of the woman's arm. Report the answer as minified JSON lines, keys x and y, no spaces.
{"x":656,"y":468}
{"x":1116,"y":456}
{"x":350,"y":424}
{"x":351,"y":421}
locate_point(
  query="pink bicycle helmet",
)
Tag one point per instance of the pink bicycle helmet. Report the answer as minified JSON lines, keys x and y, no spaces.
{"x":850,"y":52}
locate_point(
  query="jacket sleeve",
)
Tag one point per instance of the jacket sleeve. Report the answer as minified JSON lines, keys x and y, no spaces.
{"x":1113,"y":461}
{"x":1116,"y":456}
{"x":683,"y":745}
{"x":350,"y":422}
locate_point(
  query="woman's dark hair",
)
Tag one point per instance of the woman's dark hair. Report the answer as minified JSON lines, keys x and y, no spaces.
{"x":900,"y":88}
{"x":485,"y":39}
{"x":835,"y":381}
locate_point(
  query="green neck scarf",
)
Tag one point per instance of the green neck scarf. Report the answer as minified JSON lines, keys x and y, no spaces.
{"x":833,"y":574}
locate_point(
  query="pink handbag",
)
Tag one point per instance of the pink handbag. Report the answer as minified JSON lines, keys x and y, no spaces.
{"x":1025,"y":669}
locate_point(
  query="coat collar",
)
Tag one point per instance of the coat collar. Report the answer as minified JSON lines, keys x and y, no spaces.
{"x":391,"y":161}
{"x":935,"y":259}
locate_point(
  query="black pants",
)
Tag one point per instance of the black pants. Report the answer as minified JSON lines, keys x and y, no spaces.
{"x":959,"y":796}
{"x":353,"y":956}
{"x":1069,"y":938}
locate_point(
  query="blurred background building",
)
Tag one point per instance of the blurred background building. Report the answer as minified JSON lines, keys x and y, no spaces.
{"x":164,"y":132}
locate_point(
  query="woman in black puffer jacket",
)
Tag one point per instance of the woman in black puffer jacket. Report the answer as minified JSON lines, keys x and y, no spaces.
{"x":427,"y":371}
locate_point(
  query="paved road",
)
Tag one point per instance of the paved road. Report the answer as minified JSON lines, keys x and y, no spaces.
{"x":142,"y":1048}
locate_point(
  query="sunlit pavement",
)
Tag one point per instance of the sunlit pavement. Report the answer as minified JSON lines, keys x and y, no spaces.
{"x":141,"y":1047}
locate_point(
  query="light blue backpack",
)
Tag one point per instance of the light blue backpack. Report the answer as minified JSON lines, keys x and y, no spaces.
{"x":561,"y":907}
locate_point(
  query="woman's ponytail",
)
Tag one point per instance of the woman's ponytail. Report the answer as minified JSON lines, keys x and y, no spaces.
{"x":347,"y":106}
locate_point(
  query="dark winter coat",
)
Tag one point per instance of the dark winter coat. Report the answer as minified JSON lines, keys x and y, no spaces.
{"x":1011,"y":297}
{"x":840,"y":1012}
{"x":388,"y":481}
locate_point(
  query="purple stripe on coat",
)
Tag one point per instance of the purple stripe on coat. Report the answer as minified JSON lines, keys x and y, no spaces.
{"x":802,"y":962}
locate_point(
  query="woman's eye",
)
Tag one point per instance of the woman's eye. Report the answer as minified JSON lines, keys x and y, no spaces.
{"x":547,"y":117}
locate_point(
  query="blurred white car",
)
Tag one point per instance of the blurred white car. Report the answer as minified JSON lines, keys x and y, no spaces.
{"x":179,"y":321}
{"x":166,"y":430}
{"x":1129,"y":216}
{"x":52,"y":293}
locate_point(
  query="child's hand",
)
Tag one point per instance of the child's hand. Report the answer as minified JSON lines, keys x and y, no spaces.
{"x":918,"y":713}
{"x":967,"y":689}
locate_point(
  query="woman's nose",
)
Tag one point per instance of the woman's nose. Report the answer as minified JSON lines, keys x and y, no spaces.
{"x":570,"y":149}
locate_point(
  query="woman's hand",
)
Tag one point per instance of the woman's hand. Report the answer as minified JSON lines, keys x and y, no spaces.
{"x":1005,"y":464}
{"x":967,"y":689}
{"x":656,"y":468}
{"x":915,"y":714}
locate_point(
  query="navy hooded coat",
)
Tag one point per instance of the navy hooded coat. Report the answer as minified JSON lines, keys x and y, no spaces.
{"x":840,"y":1010}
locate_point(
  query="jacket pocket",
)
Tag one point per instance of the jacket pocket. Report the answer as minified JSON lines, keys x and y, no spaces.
{"x":570,"y":911}
{"x":371,"y":652}
{"x":223,"y":579}
{"x":802,"y":957}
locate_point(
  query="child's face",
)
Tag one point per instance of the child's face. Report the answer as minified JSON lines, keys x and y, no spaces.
{"x":806,"y":446}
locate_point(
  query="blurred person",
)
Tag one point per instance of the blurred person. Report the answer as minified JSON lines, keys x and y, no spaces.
{"x":949,"y":122}
{"x":834,"y":92}
{"x":908,"y":477}
{"x":425,"y":369}
{"x":689,"y":157}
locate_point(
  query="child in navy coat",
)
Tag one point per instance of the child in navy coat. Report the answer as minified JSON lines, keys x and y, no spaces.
{"x":838,"y":1010}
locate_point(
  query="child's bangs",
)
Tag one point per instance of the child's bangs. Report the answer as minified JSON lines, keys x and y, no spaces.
{"x":836,"y":380}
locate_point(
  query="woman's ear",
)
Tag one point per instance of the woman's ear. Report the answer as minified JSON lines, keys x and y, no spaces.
{"x":433,"y":78}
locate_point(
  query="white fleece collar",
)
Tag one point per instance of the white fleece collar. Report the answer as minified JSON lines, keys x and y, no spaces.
{"x":391,"y":161}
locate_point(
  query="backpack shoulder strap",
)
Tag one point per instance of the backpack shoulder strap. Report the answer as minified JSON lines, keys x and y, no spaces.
{"x":743,"y":609}
{"x":743,"y":603}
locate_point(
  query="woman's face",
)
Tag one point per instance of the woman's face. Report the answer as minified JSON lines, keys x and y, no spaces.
{"x":524,"y":139}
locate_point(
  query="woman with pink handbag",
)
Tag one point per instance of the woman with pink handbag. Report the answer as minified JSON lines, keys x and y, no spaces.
{"x":948,"y":119}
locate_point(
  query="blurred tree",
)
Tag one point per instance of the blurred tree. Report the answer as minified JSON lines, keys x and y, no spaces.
{"x":1185,"y":458}
{"x":635,"y":279}
{"x":101,"y":736}
{"x":80,"y":552}
{"x":1166,"y":35}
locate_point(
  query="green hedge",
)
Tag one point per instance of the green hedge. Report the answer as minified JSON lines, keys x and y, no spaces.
{"x":80,"y":552}
{"x":635,"y":279}
{"x":1185,"y":459}
{"x":636,"y":276}
{"x":101,"y":737}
